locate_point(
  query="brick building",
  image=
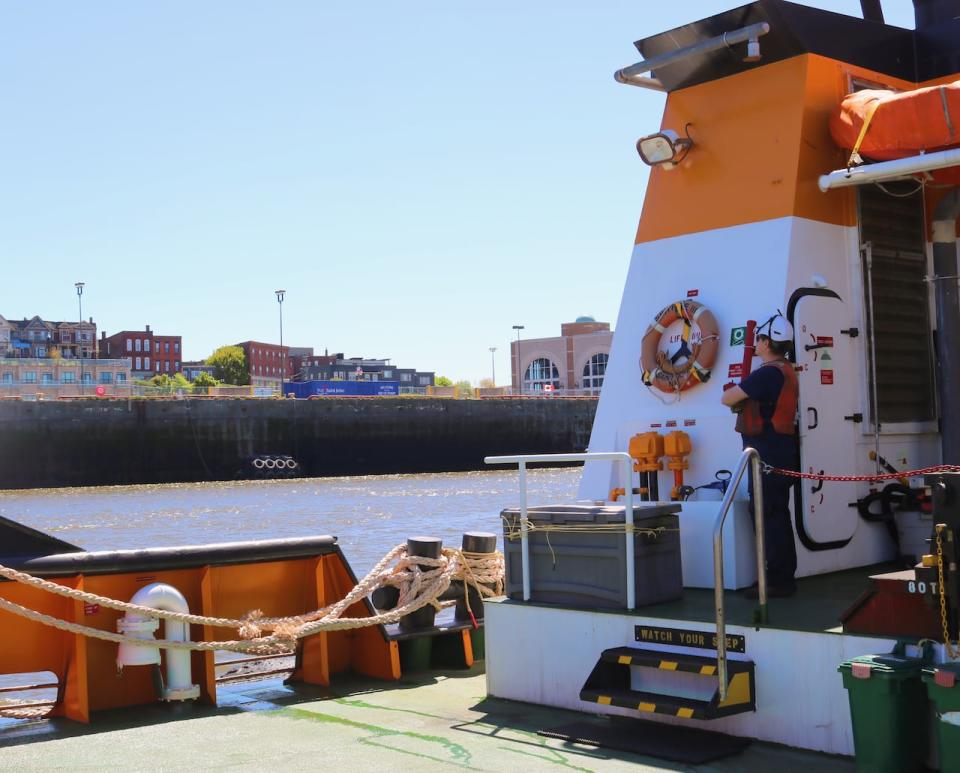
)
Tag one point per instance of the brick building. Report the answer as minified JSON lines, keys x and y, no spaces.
{"x":39,"y":339}
{"x":265,"y":363}
{"x":149,"y":354}
{"x":575,"y":360}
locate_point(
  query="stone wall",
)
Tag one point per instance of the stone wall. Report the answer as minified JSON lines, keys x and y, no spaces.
{"x":117,"y":442}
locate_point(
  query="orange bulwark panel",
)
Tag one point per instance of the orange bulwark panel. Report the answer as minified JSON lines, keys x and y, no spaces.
{"x":86,"y":667}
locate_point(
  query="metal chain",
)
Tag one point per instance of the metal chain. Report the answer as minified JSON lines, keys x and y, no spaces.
{"x":767,"y":469}
{"x":951,"y":653}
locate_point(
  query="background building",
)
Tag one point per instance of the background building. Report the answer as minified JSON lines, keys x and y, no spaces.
{"x":575,"y":360}
{"x":62,"y":377}
{"x":336,"y":367}
{"x":149,"y":354}
{"x":40,"y":338}
{"x":191,"y":370}
{"x":265,"y":362}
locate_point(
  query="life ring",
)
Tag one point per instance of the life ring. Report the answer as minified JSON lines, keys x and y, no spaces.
{"x":658,"y":370}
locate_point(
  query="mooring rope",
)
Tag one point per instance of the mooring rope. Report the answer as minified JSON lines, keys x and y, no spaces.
{"x":418,"y":587}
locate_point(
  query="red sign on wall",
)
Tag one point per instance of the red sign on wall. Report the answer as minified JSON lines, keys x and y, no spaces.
{"x":826,"y":376}
{"x":693,"y":293}
{"x":825,"y":340}
{"x":735,"y":370}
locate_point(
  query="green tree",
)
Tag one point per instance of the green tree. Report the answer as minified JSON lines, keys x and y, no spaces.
{"x":205,"y":380}
{"x":464,"y":389}
{"x":230,"y":365}
{"x":442,"y":381}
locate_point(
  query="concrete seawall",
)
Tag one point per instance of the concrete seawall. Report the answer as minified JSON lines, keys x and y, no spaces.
{"x":117,"y":442}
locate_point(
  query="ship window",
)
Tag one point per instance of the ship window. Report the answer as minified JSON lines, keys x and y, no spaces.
{"x":539,"y":373}
{"x":594,"y":371}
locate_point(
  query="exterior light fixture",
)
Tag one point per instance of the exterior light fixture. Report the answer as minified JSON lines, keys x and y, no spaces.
{"x":665,"y":149}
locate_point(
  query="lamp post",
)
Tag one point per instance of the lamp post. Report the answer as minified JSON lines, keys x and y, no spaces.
{"x":79,"y":286}
{"x":493,"y":366}
{"x":283,"y":358}
{"x":518,"y":328}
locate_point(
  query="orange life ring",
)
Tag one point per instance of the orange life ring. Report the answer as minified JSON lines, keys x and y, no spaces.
{"x":658,"y":370}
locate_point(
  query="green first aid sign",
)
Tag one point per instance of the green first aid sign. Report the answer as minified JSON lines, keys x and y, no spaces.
{"x":737,"y":336}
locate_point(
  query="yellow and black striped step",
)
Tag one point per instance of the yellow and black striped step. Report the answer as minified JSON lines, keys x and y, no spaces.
{"x":670,"y":661}
{"x":609,"y":684}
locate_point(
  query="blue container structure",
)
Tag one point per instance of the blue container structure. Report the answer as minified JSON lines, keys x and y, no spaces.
{"x":305,"y":389}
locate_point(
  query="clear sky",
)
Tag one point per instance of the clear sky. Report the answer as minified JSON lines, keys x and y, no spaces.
{"x":417,"y":176}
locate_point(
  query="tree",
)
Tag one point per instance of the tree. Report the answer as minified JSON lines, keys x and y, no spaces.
{"x":230,"y":365}
{"x":487,"y":383}
{"x":442,"y":381}
{"x":204,"y":379}
{"x":464,"y":389}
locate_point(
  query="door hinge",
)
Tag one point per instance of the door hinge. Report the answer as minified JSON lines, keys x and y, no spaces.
{"x":857,"y":418}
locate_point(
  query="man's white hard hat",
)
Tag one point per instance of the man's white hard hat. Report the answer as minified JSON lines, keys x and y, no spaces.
{"x":776,"y":328}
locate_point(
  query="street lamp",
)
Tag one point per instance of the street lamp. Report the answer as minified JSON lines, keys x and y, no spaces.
{"x":493,"y":366}
{"x":79,"y":286}
{"x":518,"y":328}
{"x":283,"y":358}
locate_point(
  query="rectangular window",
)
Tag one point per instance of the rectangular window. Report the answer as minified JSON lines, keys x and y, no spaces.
{"x":176,"y":347}
{"x":106,"y":377}
{"x":139,"y":364}
{"x":166,"y":347}
{"x":121,"y":378}
{"x":7,"y":378}
{"x":129,"y":345}
{"x":87,"y":377}
{"x":41,"y":351}
{"x":30,"y":377}
{"x":138,"y":345}
{"x":406,"y":377}
{"x":158,"y":366}
{"x":176,"y":365}
{"x":166,"y":366}
{"x":146,"y":345}
{"x":146,"y":363}
{"x":68,"y":377}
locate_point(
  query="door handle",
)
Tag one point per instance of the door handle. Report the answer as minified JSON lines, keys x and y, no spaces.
{"x":816,"y":418}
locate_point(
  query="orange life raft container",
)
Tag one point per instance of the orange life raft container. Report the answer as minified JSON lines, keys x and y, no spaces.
{"x":882,"y":125}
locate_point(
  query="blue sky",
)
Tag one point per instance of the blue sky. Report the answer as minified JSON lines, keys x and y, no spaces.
{"x":418,"y":176}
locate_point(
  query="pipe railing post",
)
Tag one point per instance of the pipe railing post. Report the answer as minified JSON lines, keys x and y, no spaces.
{"x":524,"y":532}
{"x":751,"y":457}
{"x":628,"y":526}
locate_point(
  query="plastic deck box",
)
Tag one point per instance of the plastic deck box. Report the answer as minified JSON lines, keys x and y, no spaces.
{"x":574,"y":565}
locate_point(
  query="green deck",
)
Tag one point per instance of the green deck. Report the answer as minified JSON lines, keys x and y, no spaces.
{"x":815,"y":608}
{"x":432,"y":722}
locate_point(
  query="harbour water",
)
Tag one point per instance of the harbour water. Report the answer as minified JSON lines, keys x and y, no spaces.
{"x":369,"y":515}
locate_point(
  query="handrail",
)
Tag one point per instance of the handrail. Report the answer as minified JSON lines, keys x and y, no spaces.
{"x":751,"y":457}
{"x":749,"y":34}
{"x":522,"y":460}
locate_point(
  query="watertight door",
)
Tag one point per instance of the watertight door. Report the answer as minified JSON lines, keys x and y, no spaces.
{"x":828,"y":404}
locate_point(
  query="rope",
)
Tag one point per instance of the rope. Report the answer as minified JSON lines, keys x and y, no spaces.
{"x":418,"y":587}
{"x":862,"y":478}
{"x":513,"y":532}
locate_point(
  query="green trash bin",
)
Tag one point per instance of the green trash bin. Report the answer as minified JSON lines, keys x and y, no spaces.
{"x":889,"y":711}
{"x":943,"y":689}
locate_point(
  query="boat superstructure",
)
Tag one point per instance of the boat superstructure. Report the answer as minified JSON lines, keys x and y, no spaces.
{"x":757,"y":203}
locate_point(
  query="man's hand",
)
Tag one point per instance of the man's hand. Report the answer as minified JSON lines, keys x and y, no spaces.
{"x":733,"y":396}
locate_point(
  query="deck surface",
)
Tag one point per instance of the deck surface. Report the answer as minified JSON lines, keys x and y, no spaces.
{"x":815,"y":608}
{"x":435,"y":722}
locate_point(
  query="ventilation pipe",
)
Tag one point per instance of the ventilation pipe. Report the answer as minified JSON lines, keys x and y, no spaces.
{"x":165,"y":598}
{"x":926,"y":13}
{"x":948,"y":322}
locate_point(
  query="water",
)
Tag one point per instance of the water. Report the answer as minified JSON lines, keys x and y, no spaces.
{"x":369,"y":514}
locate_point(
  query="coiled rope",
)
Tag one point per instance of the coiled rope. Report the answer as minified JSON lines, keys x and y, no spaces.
{"x":420,"y":581}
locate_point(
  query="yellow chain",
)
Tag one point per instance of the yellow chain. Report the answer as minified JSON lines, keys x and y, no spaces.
{"x":951,"y":653}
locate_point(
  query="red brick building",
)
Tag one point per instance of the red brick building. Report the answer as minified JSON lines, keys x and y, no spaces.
{"x":266,"y":361}
{"x":149,"y":354}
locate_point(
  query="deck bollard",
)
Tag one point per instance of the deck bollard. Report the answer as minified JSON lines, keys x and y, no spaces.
{"x":423,"y":547}
{"x":474,"y":542}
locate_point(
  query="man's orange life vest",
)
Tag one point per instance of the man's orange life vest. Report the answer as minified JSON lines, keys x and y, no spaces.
{"x":783,"y":420}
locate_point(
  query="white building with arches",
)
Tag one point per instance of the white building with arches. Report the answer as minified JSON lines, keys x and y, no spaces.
{"x":576,"y":360}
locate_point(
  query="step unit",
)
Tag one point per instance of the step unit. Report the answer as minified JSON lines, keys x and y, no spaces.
{"x":689,"y":690}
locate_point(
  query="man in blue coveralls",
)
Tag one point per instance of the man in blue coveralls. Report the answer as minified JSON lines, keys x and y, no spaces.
{"x":766,"y":403}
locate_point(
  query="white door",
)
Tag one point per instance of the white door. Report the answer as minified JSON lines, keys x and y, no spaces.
{"x":829,"y":413}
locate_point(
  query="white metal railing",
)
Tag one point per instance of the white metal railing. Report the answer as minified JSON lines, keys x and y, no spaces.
{"x":522,"y":461}
{"x":752,"y":458}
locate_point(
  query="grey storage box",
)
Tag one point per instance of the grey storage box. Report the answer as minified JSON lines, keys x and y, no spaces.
{"x":589,"y":568}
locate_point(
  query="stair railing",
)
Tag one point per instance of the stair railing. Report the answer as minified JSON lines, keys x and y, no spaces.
{"x":620,"y":456}
{"x":752,"y":458}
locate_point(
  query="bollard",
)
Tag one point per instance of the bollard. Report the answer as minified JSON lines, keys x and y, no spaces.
{"x":474,"y":542}
{"x":424,"y":547}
